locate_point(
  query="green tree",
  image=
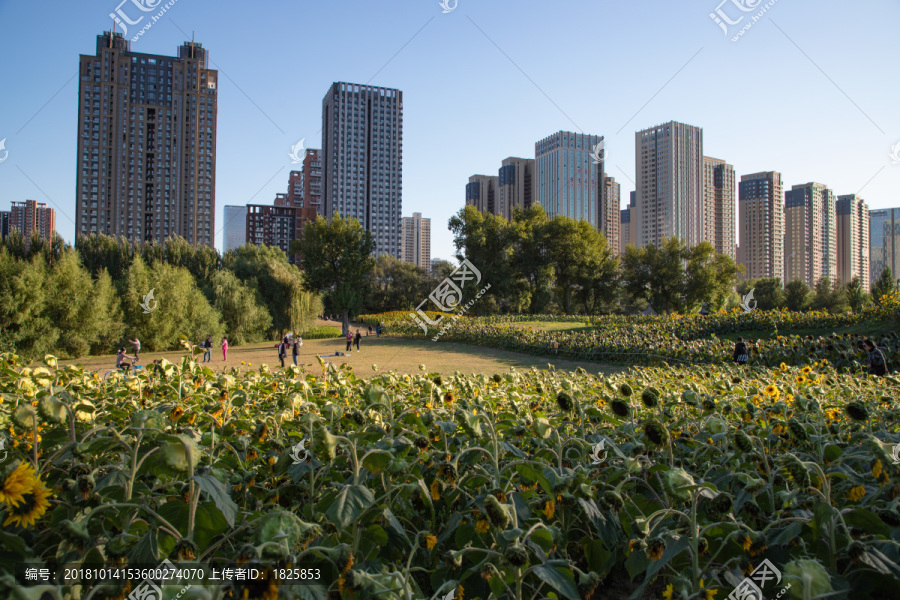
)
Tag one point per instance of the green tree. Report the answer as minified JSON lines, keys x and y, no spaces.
{"x":24,"y":328}
{"x":486,"y":240}
{"x":829,"y":295}
{"x":178,"y":309}
{"x":884,"y":285}
{"x":99,"y":252}
{"x":857,"y":296}
{"x":396,"y":285}
{"x":336,"y":257}
{"x":678,"y":277}
{"x":530,"y":260}
{"x":245,"y":318}
{"x":768,"y":292}
{"x":797,"y":295}
{"x":81,"y":313}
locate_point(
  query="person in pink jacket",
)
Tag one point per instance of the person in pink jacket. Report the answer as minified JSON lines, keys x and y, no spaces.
{"x":225,"y":349}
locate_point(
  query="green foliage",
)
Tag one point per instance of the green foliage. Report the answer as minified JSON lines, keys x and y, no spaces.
{"x":181,"y":308}
{"x":245,"y":318}
{"x":322,"y":333}
{"x":797,"y":295}
{"x":336,"y":258}
{"x":23,"y":324}
{"x":857,"y":297}
{"x":768,"y":292}
{"x":676,"y":277}
{"x":397,"y":285}
{"x":830,"y":296}
{"x":486,"y":240}
{"x":885,"y":285}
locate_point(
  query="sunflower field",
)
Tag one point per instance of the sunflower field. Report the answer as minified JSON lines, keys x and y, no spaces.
{"x":660,"y":482}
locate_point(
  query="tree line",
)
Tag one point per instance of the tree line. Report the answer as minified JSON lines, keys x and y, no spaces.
{"x":91,"y":298}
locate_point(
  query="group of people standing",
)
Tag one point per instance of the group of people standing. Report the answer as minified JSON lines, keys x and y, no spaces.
{"x":877,"y":365}
{"x":289,"y":343}
{"x":207,"y":345}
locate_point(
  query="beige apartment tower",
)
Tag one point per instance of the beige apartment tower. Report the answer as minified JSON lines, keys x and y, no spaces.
{"x":415,"y":241}
{"x":761,"y":207}
{"x":719,"y":205}
{"x":482,"y":193}
{"x":669,"y":172}
{"x":146,"y":143}
{"x":515,"y":184}
{"x":810,"y":238}
{"x":628,"y":224}
{"x":852,"y":239}
{"x":610,"y":215}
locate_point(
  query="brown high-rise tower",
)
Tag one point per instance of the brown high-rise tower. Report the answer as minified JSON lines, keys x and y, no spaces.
{"x":146,"y":143}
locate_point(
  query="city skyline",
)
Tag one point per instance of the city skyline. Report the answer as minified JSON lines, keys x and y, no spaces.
{"x":435,"y":58}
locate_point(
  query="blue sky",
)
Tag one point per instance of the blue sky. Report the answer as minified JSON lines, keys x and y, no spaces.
{"x":810,"y":90}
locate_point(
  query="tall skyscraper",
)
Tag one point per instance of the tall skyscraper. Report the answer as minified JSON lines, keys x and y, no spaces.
{"x":628,"y":224}
{"x":761,"y":201}
{"x":416,"y":241}
{"x":810,"y":239}
{"x":235,"y":234}
{"x":670,"y":199}
{"x":515,"y":185}
{"x":852,"y":238}
{"x":719,"y":205}
{"x":569,"y":180}
{"x":146,"y":143}
{"x":884,"y":240}
{"x":482,"y":192}
{"x":29,"y":217}
{"x":362,"y":154}
{"x":610,"y":215}
{"x":272,"y":226}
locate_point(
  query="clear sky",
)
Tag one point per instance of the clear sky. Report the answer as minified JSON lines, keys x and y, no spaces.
{"x":810,"y":90}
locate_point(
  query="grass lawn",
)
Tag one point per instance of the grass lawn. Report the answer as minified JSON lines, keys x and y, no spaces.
{"x":388,"y":353}
{"x":861,"y":329}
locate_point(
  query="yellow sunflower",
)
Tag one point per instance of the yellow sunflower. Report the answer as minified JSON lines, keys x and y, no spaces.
{"x":667,"y":595}
{"x":772,"y":392}
{"x":856,"y":493}
{"x":35,"y":503}
{"x":430,"y":541}
{"x":482,"y":525}
{"x":17,"y":484}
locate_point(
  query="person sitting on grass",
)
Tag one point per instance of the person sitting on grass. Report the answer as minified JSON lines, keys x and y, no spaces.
{"x":877,"y":364}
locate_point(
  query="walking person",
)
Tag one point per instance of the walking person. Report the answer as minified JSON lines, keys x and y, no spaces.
{"x":207,"y":349}
{"x":356,"y":339}
{"x":137,"y":346}
{"x":298,"y":341}
{"x":349,"y":340}
{"x":225,"y":349}
{"x":281,"y":352}
{"x":369,"y":332}
{"x":741,"y":354}
{"x":877,"y":364}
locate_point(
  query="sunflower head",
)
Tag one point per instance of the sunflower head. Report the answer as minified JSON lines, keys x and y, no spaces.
{"x":650,"y":397}
{"x":656,"y":433}
{"x":620,"y":407}
{"x":857,"y":410}
{"x":625,"y":390}
{"x":655,"y":548}
{"x":565,"y":402}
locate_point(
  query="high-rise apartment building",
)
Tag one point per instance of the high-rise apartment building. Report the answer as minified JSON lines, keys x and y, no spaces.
{"x":569,"y":176}
{"x":362,"y":155}
{"x":146,"y":143}
{"x":272,"y":226}
{"x":810,"y":238}
{"x":28,"y":218}
{"x":628,"y":224}
{"x":761,"y":207}
{"x":482,"y":192}
{"x":416,"y":241}
{"x":611,"y":215}
{"x":719,"y":206}
{"x":852,"y":238}
{"x":515,"y":186}
{"x":235,"y":231}
{"x":884,"y":240}
{"x":670,"y":198}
